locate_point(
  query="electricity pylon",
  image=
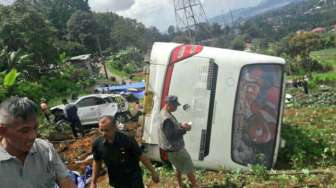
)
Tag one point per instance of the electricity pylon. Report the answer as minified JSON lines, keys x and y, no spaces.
{"x":188,"y":15}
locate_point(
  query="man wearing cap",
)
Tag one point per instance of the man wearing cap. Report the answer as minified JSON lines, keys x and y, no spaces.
{"x":171,"y":141}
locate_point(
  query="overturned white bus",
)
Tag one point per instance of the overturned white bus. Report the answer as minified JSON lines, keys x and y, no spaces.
{"x":234,"y":100}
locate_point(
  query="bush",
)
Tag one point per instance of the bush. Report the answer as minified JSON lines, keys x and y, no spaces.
{"x":56,"y":86}
{"x":318,"y":67}
{"x":32,"y":90}
{"x":328,"y":78}
{"x":304,"y":147}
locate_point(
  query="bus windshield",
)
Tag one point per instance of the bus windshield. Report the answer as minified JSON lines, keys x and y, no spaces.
{"x":256,"y":114}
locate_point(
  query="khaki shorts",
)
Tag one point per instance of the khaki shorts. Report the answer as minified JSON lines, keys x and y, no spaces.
{"x":181,"y":161}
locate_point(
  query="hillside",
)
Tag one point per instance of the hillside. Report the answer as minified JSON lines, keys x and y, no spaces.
{"x":305,"y":15}
{"x":245,"y":13}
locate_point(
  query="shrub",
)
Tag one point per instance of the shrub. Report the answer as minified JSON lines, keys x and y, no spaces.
{"x":32,"y":90}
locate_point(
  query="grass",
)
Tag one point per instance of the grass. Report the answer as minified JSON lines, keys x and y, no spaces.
{"x":325,"y":57}
{"x":327,"y":76}
{"x":116,"y":72}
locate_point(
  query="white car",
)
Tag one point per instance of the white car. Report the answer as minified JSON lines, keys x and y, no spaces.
{"x":92,"y":107}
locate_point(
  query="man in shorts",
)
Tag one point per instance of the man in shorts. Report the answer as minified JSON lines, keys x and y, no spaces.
{"x":171,"y":141}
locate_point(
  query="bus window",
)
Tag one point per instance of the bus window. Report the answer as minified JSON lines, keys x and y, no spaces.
{"x":256,"y":114}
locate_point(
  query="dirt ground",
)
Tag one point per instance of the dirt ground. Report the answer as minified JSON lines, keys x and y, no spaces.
{"x":74,"y":150}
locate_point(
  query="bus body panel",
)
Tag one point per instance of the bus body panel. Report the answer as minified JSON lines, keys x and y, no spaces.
{"x":211,"y":142}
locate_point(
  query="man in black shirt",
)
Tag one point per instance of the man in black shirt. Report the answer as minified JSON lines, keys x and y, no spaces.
{"x":121,"y":155}
{"x":70,"y":112}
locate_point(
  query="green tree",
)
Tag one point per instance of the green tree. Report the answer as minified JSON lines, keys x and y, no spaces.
{"x":105,"y":25}
{"x":128,"y":32}
{"x":24,"y":29}
{"x":151,"y":35}
{"x":202,"y":31}
{"x":15,"y":60}
{"x":128,"y":60}
{"x":216,"y":29}
{"x":82,"y":29}
{"x":302,"y":44}
{"x":238,"y":43}
{"x":171,"y":30}
{"x":58,"y":12}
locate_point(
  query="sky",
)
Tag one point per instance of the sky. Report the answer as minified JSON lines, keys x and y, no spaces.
{"x":160,"y":13}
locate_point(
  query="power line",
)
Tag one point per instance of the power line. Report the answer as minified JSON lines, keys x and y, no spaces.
{"x":188,"y":15}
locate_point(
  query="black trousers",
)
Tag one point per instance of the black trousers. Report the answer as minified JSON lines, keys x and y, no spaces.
{"x":134,"y":183}
{"x":76,"y":124}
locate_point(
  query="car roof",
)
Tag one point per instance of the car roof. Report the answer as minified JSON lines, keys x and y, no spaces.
{"x":99,"y":95}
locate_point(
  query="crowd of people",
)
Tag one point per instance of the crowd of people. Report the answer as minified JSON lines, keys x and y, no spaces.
{"x":31,"y":162}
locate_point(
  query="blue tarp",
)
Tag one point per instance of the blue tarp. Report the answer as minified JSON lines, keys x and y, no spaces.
{"x":136,"y":89}
{"x":80,"y":180}
{"x":138,"y":94}
{"x":120,"y":88}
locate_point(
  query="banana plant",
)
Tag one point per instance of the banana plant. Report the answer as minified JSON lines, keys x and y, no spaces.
{"x":14,"y":59}
{"x":10,"y":78}
{"x":7,"y":80}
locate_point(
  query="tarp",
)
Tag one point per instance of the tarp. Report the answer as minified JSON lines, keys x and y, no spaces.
{"x":120,"y":88}
{"x":135,"y":89}
{"x":138,"y":94}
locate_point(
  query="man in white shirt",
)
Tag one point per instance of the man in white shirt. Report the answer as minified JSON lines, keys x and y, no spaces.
{"x":26,"y":161}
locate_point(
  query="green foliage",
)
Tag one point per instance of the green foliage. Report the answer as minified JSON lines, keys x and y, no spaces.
{"x":50,"y":131}
{"x":300,"y":150}
{"x":21,"y":27}
{"x":326,"y":57}
{"x":123,"y":37}
{"x":10,"y":78}
{"x":43,"y":29}
{"x":82,"y":28}
{"x":260,"y":172}
{"x":14,"y":59}
{"x":297,"y":50}
{"x":289,"y":19}
{"x":71,"y":47}
{"x":309,"y":130}
{"x":303,"y":43}
{"x":60,"y":85}
{"x":322,"y":96}
{"x":128,"y":60}
{"x":58,"y":12}
{"x":238,"y":43}
{"x":328,"y":78}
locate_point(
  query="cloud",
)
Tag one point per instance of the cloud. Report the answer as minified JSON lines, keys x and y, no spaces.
{"x":110,"y":5}
{"x":161,"y":13}
{"x":158,"y":13}
{"x":6,"y":2}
